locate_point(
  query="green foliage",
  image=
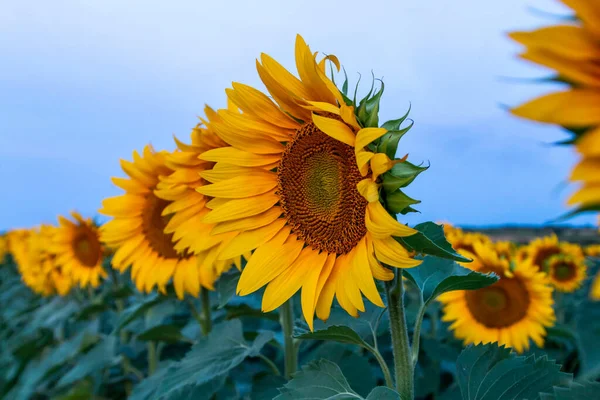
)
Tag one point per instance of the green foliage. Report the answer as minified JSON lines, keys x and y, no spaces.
{"x":430,"y":240}
{"x":490,"y":372}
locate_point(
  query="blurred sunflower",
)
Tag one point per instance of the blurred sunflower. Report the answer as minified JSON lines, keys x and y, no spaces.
{"x":78,"y":250}
{"x":62,"y":281}
{"x":299,"y":183}
{"x":573,"y":51}
{"x":566,"y":272}
{"x":595,"y":289}
{"x":3,"y":247}
{"x":539,"y":250}
{"x":505,"y":249}
{"x":137,"y":230}
{"x":512,"y":311}
{"x":188,"y":206}
{"x":26,"y":247}
{"x":464,"y":242}
{"x":592,"y":250}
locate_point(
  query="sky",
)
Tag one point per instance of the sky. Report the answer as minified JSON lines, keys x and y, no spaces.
{"x":84,"y":83}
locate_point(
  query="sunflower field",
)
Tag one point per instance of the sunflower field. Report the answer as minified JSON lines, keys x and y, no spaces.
{"x":265,"y":257}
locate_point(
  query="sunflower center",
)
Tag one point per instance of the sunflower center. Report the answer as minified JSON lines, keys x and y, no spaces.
{"x":86,"y":247}
{"x":542,"y":255}
{"x":564,"y":271}
{"x":500,"y":305}
{"x":317,"y":180}
{"x":465,"y":246}
{"x":154,"y":224}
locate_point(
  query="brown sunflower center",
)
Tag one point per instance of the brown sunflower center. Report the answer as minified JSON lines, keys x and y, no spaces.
{"x":154,"y":224}
{"x":86,"y":247}
{"x":317,"y":185}
{"x":500,"y":305}
{"x":564,"y":271}
{"x":542,"y":255}
{"x":465,"y":246}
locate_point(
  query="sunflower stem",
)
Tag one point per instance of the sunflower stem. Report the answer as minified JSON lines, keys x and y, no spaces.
{"x":270,"y":364}
{"x":416,"y":340}
{"x":286,"y":318}
{"x":403,"y":366}
{"x":152,"y":357}
{"x":206,"y":316}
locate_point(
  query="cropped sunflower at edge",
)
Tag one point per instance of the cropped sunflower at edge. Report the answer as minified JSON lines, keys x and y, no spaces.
{"x":306,"y":181}
{"x":511,"y":312}
{"x":572,"y":50}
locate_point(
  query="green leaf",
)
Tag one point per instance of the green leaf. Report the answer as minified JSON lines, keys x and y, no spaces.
{"x":490,"y":372}
{"x":384,"y":393}
{"x":266,"y":387}
{"x":368,"y":109}
{"x":138,"y":310}
{"x":91,"y":311}
{"x":398,"y":202}
{"x":394,"y":124}
{"x":577,"y":391}
{"x":99,"y":357}
{"x":163,"y":333}
{"x":436,"y":276}
{"x":431,"y":240}
{"x":318,"y":380}
{"x":588,"y":332}
{"x":401,"y":175}
{"x":336,"y":333}
{"x":226,"y":286}
{"x":224,"y":349}
{"x":388,"y":143}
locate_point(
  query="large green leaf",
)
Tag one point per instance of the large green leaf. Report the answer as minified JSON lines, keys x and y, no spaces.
{"x":436,"y":276}
{"x":577,"y":391}
{"x":384,"y":393}
{"x":490,"y":372}
{"x":163,"y":333}
{"x":138,"y":310}
{"x":100,"y":356}
{"x":321,"y":380}
{"x":226,"y":286}
{"x":588,"y":333}
{"x":431,"y":240}
{"x":212,"y":357}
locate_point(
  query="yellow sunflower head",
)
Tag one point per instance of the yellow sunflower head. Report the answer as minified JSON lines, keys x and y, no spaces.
{"x":302,"y":181}
{"x":566,"y":272}
{"x":139,"y":230}
{"x":505,"y":249}
{"x":464,"y":242}
{"x":188,"y":206}
{"x":28,"y":248}
{"x":539,"y":250}
{"x":592,"y":250}
{"x":77,"y":248}
{"x":510,"y":312}
{"x":61,"y":280}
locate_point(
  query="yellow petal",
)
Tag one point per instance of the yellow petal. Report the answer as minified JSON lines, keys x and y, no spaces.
{"x":284,"y":286}
{"x":242,"y":186}
{"x":382,"y":225}
{"x":231,"y":155}
{"x":392,"y":253}
{"x":587,"y":195}
{"x":589,"y":143}
{"x":573,"y":108}
{"x":361,"y":272}
{"x":268,"y":261}
{"x":250,"y":240}
{"x":568,"y":40}
{"x":242,"y":208}
{"x":309,"y":288}
{"x":326,"y":287}
{"x":588,"y":12}
{"x":334,"y":128}
{"x":380,"y":164}
{"x":367,"y":135}
{"x":249,"y":223}
{"x":587,"y":170}
{"x":362,"y":161}
{"x":369,"y":190}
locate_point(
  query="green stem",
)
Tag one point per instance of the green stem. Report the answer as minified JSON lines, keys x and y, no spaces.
{"x":416,"y":340}
{"x":206,"y":317}
{"x":152,"y":357}
{"x":271,"y":364}
{"x":286,"y":318}
{"x":389,"y":382}
{"x":404,"y":370}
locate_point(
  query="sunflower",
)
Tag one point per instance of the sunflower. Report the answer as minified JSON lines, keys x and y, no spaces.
{"x":510,"y":312}
{"x":539,"y":250}
{"x":188,"y":206}
{"x":595,"y":289}
{"x":593,"y":250}
{"x":61,"y":280}
{"x":3,"y":247}
{"x":137,"y":230}
{"x":464,"y":242}
{"x":505,"y":249}
{"x":573,"y":51}
{"x":77,"y":248}
{"x":566,"y":272}
{"x":299,"y":183}
{"x":27,"y":247}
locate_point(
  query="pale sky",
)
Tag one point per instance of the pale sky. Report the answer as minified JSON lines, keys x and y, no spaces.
{"x":84,"y":83}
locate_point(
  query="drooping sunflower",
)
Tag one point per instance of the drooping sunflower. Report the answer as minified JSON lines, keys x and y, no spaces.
{"x":77,"y":248}
{"x":511,"y":312}
{"x":137,"y":230}
{"x":299,"y":183}
{"x":188,"y":206}
{"x":573,"y":51}
{"x":539,"y":250}
{"x":566,"y":272}
{"x":592,"y":250}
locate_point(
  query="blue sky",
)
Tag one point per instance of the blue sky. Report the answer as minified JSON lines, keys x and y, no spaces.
{"x":82,"y":84}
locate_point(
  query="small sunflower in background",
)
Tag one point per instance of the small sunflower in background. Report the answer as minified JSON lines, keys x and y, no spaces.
{"x":505,"y":249}
{"x":3,"y":247}
{"x":77,"y":248}
{"x":464,"y":242}
{"x":300,"y":183}
{"x":573,"y":51}
{"x":26,"y":247}
{"x":592,"y":250}
{"x":137,"y":230}
{"x":595,"y":289}
{"x":188,"y":206}
{"x":61,"y":280}
{"x":566,"y":272}
{"x":539,"y":250}
{"x":511,"y":312}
